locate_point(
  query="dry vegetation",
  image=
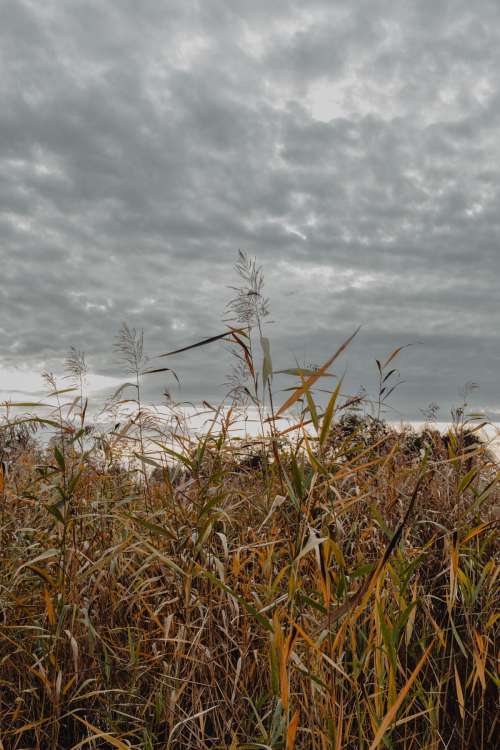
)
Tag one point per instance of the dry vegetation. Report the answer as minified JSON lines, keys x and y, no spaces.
{"x":332,"y":585}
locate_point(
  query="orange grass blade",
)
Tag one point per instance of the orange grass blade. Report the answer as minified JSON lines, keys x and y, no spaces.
{"x":99,"y":733}
{"x":292,"y":731}
{"x":308,"y":382}
{"x":388,"y":718}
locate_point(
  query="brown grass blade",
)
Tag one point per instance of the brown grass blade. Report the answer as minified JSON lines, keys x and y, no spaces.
{"x":391,"y":714}
{"x":308,"y":382}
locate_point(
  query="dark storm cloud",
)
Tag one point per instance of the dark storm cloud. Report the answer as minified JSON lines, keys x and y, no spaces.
{"x":353,"y":147}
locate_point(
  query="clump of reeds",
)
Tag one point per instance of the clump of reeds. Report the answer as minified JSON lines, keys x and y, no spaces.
{"x":333,"y":584}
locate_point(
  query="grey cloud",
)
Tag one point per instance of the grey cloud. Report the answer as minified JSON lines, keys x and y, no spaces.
{"x":142,"y":144}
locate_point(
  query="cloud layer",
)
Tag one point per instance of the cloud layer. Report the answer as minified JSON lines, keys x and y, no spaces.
{"x":352,"y":147}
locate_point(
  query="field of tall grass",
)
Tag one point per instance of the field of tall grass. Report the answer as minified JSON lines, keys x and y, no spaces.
{"x":330,"y":583}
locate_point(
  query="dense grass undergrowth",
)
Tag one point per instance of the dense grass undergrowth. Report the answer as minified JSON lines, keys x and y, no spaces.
{"x":237,"y":602}
{"x":333,"y":584}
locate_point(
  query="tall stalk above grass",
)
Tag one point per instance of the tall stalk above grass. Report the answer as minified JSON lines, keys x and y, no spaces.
{"x":129,"y":351}
{"x":76,"y":371}
{"x":250,"y":307}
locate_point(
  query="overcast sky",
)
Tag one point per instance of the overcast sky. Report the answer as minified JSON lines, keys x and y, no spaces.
{"x":353,"y":147}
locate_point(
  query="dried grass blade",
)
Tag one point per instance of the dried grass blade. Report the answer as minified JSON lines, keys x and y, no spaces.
{"x":313,"y":378}
{"x":388,"y":718}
